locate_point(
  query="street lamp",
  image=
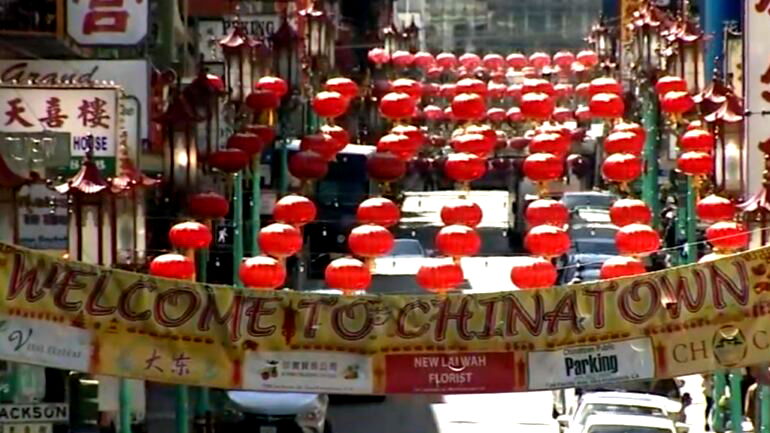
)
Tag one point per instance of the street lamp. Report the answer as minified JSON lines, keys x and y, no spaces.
{"x":689,"y":65}
{"x":391,"y":38}
{"x":238,"y":49}
{"x":316,"y":27}
{"x":285,"y":43}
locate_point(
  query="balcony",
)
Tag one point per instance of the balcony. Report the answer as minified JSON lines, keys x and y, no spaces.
{"x":36,"y":28}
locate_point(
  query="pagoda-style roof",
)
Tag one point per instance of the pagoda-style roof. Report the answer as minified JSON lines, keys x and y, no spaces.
{"x":759,"y":202}
{"x":684,"y":31}
{"x":237,"y":39}
{"x":649,"y":16}
{"x":88,"y":180}
{"x":8,"y":178}
{"x":285,"y":36}
{"x":730,"y":111}
{"x":129,"y":176}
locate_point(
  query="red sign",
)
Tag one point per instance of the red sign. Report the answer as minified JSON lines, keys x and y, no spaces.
{"x":472,"y":372}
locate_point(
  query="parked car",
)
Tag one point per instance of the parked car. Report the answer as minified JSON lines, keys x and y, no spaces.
{"x":613,"y":423}
{"x":588,"y":199}
{"x":625,"y":403}
{"x":270,"y":412}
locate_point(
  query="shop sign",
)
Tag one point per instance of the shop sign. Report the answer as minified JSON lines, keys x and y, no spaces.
{"x":107,"y":22}
{"x":44,"y":343}
{"x":34,"y":413}
{"x":259,"y":26}
{"x":89,"y":115}
{"x":43,"y":218}
{"x":757,"y":88}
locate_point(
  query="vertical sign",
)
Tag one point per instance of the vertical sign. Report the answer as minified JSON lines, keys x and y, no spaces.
{"x":627,"y":9}
{"x":107,"y":22}
{"x":757,"y":88}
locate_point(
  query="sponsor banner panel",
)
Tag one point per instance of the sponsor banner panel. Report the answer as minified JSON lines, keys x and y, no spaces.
{"x":44,"y":343}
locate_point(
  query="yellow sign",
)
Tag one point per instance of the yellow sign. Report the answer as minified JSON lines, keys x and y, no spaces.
{"x":678,"y":321}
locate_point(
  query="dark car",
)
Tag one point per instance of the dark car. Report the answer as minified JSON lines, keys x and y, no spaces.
{"x":588,"y":199}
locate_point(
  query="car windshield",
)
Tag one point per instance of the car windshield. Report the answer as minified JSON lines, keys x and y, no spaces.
{"x":598,"y":408}
{"x":626,"y":429}
{"x":594,"y":247}
{"x":601,"y":201}
{"x":407,"y":247}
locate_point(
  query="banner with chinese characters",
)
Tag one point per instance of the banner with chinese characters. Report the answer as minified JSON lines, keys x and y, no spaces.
{"x":683,"y":320}
{"x":83,"y":113}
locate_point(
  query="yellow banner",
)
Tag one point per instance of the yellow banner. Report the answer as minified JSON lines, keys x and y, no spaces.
{"x":680,"y":321}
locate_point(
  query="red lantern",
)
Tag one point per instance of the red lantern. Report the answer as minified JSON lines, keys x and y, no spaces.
{"x":174,"y":266}
{"x":322,"y":144}
{"x":402,"y":59}
{"x":464,"y":167}
{"x":623,"y":142}
{"x":229,"y":160}
{"x":537,"y":85}
{"x":461,"y":211}
{"x":556,"y":144}
{"x":385,"y":167}
{"x":458,"y":241}
{"x":727,"y":236}
{"x":439,"y":276}
{"x":715,"y":208}
{"x":190,"y":235}
{"x":537,"y":106}
{"x":447,"y":91}
{"x":397,"y":106}
{"x":637,"y":240}
{"x":631,"y":127}
{"x":607,"y":106}
{"x":695,"y":163}
{"x":604,"y":85}
{"x":540,"y":60}
{"x":295,"y":210}
{"x":410,"y":87}
{"x":588,"y":58}
{"x":670,"y":84}
{"x":247,"y":142}
{"x":468,"y":106}
{"x":308,"y":165}
{"x":433,"y":113}
{"x":399,"y":145}
{"x":446,"y":60}
{"x":493,"y":62}
{"x":563,"y":90}
{"x":208,"y":206}
{"x":264,"y":132}
{"x":378,"y":56}
{"x":697,"y":140}
{"x":424,"y":60}
{"x":370,"y":241}
{"x":344,"y":86}
{"x":530,"y":273}
{"x":262,"y":100}
{"x":470,"y":61}
{"x":563,"y":59}
{"x":543,"y":167}
{"x":471,"y":85}
{"x":622,"y":167}
{"x":514,"y":114}
{"x":676,"y":103}
{"x":280,"y":240}
{"x":517,"y":60}
{"x":562,"y":114}
{"x":496,"y":90}
{"x":583,"y":113}
{"x":262,"y":273}
{"x":496,"y":115}
{"x":379,"y":211}
{"x":348,"y":274}
{"x":338,"y":133}
{"x":630,"y":211}
{"x":581,"y":90}
{"x":620,"y":266}
{"x":413,"y":132}
{"x":547,"y":241}
{"x":330,"y":104}
{"x":273,"y":84}
{"x":476,"y":144}
{"x":514,"y":91}
{"x":547,"y":212}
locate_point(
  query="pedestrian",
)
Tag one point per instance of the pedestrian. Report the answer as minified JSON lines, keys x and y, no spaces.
{"x":686,"y":402}
{"x":708,"y":391}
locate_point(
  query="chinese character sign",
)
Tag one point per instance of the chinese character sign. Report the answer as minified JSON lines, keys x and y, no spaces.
{"x":80,"y":112}
{"x":757,"y":86}
{"x":107,"y":22}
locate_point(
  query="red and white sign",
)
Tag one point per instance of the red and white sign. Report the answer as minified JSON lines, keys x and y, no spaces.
{"x":107,"y":22}
{"x":471,"y":372}
{"x":757,"y":88}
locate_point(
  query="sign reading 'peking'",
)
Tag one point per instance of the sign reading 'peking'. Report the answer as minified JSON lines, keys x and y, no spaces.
{"x":679,"y":321}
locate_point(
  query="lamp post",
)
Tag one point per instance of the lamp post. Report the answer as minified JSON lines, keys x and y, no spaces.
{"x":286,"y":42}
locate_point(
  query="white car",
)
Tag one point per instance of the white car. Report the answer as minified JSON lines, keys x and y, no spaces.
{"x":612,"y":423}
{"x":620,"y":403}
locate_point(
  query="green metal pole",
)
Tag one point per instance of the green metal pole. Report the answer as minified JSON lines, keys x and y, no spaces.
{"x":238,"y":227}
{"x":124,"y":402}
{"x":203,"y":401}
{"x":764,"y":409}
{"x":182,"y":409}
{"x":692,"y":235}
{"x":283,"y":188}
{"x":736,"y":402}
{"x":650,"y":180}
{"x":256,"y":204}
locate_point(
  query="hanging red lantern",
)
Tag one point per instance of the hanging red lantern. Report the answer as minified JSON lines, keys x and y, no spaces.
{"x":563,"y":90}
{"x":493,"y":62}
{"x":622,"y":167}
{"x":414,"y":133}
{"x":397,"y":106}
{"x":537,"y":85}
{"x":348,"y":274}
{"x":695,"y":163}
{"x":496,"y":115}
{"x":280,"y":240}
{"x":262,"y":273}
{"x":174,"y":266}
{"x":190,"y":235}
{"x":208,"y":206}
{"x":262,"y":100}
{"x":399,"y":145}
{"x":517,"y":61}
{"x":670,"y":83}
{"x":379,"y":211}
{"x":458,"y":241}
{"x":439,"y":276}
{"x":539,"y":60}
{"x":604,"y":85}
{"x":468,"y":106}
{"x":588,"y":58}
{"x":272,"y":84}
{"x":562,"y":114}
{"x":385,"y":167}
{"x":370,"y":241}
{"x":342,"y":85}
{"x":402,"y":59}
{"x":697,"y":140}
{"x":530,"y":273}
{"x":295,"y":210}
{"x":470,"y":61}
{"x":514,"y":91}
{"x":229,"y":160}
{"x":537,"y":106}
{"x":606,"y":106}
{"x":265,"y":132}
{"x":553,"y":143}
{"x":471,"y":85}
{"x":543,"y":167}
{"x":322,"y":144}
{"x":496,"y":90}
{"x":676,"y":103}
{"x":637,"y":240}
{"x":338,"y":133}
{"x":308,"y":165}
{"x":330,"y":104}
{"x":424,"y":60}
{"x":247,"y":142}
{"x":563,"y":59}
{"x":410,"y":87}
{"x":433,"y":113}
{"x":547,"y":241}
{"x":581,"y":90}
{"x":378,"y":56}
{"x":727,"y":236}
{"x":447,"y":91}
{"x":623,"y":142}
{"x":464,"y":167}
{"x":546,"y":212}
{"x":631,"y":127}
{"x":621,"y":266}
{"x":514,"y":115}
{"x":461,"y":211}
{"x":715,"y":208}
{"x":476,"y":144}
{"x":630,"y":211}
{"x":446,"y":60}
